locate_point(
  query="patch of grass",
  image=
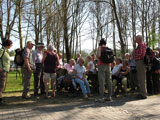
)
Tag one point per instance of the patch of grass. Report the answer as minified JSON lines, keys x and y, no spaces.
{"x":15,"y":84}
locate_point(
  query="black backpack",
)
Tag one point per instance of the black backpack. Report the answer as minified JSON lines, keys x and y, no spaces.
{"x":107,"y":55}
{"x":148,"y":58}
{"x":18,"y":59}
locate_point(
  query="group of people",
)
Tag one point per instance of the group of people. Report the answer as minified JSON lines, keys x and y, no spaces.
{"x":129,"y":72}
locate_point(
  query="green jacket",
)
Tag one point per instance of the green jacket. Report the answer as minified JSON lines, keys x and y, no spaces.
{"x":4,"y":60}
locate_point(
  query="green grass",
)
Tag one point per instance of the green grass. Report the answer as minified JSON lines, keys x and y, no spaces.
{"x":15,"y":84}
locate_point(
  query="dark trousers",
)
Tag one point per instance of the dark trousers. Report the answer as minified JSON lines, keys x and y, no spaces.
{"x":150,"y":88}
{"x":38,"y":79}
{"x":156,"y":83}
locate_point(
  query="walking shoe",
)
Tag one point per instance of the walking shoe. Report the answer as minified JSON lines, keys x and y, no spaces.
{"x":141,"y":97}
{"x":85,"y":96}
{"x":26,"y":97}
{"x":108,"y":99}
{"x":100,"y":100}
{"x":53,"y":94}
{"x":90,"y":95}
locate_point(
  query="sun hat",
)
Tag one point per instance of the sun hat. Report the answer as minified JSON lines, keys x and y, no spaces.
{"x":40,"y":45}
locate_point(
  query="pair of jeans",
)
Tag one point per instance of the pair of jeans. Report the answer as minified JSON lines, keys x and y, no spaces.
{"x":82,"y":84}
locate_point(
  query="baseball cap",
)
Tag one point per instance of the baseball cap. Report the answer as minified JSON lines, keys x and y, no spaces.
{"x":30,"y":42}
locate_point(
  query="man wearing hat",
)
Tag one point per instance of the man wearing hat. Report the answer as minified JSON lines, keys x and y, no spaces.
{"x":27,"y":68}
{"x":38,"y":74}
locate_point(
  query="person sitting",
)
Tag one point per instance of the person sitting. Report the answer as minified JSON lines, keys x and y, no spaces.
{"x":90,"y":65}
{"x":80,"y":77}
{"x":116,"y":67}
{"x":70,"y":76}
{"x":92,"y":76}
{"x":121,"y":77}
{"x":93,"y":56}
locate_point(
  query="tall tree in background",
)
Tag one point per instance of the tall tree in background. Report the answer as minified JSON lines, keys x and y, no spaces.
{"x":19,"y":5}
{"x":10,"y":13}
{"x":119,"y":29}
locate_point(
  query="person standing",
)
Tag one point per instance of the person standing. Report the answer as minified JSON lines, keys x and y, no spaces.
{"x":77,"y":57}
{"x":38,"y":75}
{"x":133,"y":83}
{"x":104,"y":75}
{"x":51,"y":62}
{"x":4,"y":66}
{"x":27,"y":69}
{"x":138,"y":55}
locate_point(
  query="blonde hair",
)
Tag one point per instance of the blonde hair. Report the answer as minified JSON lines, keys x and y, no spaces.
{"x":72,"y":60}
{"x":89,"y":57}
{"x":80,"y":59}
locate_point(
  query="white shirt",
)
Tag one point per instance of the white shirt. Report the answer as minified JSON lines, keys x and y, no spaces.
{"x":37,"y":56}
{"x":92,"y":66}
{"x":116,"y":68}
{"x":80,"y":70}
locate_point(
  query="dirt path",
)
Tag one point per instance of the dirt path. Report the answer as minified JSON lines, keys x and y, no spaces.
{"x":120,"y":109}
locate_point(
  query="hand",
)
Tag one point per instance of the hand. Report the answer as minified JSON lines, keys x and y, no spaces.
{"x":83,"y":79}
{"x":34,"y":70}
{"x":29,"y":70}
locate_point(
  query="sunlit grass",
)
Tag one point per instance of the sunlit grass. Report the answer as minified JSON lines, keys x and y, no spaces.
{"x":14,"y":84}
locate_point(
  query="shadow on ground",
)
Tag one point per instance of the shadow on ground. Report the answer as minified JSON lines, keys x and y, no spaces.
{"x":15,"y":100}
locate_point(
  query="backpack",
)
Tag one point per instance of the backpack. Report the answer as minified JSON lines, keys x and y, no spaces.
{"x":18,"y":59}
{"x":2,"y":55}
{"x":107,"y":55}
{"x":148,"y":58}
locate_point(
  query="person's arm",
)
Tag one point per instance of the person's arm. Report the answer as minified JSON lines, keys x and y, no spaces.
{"x":27,"y":64}
{"x":99,"y":52}
{"x":57,"y":60}
{"x":84,"y":76}
{"x":1,"y":54}
{"x":75,"y":73}
{"x":34,"y":57}
{"x":126,"y":72}
{"x":118,"y":71}
{"x":44,"y":57}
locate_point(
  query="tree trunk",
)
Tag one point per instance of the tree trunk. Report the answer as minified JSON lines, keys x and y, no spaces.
{"x":65,"y":29}
{"x":133,"y":23}
{"x":119,"y":29}
{"x":36,"y":23}
{"x":1,"y":19}
{"x":20,"y":27}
